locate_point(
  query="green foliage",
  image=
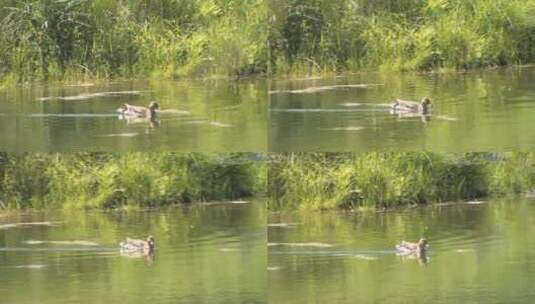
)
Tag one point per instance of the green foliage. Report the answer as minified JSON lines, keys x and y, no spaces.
{"x":170,"y":38}
{"x":101,"y":180}
{"x":327,"y":181}
{"x":318,"y":35}
{"x":103,"y":38}
{"x":24,"y":179}
{"x":514,"y":174}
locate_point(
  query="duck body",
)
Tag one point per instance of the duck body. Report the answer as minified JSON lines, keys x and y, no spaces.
{"x":408,"y":248}
{"x":128,"y":110}
{"x":405,"y":106}
{"x":137,"y":246}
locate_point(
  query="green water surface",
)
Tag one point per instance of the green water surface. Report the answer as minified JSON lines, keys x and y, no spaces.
{"x":479,"y":253}
{"x":215,"y":116}
{"x":474,"y":111}
{"x":204,"y":254}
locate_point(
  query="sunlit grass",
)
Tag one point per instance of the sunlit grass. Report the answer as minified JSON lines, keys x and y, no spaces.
{"x":104,"y":39}
{"x":130,"y":180}
{"x":381,"y":180}
{"x":314,"y":37}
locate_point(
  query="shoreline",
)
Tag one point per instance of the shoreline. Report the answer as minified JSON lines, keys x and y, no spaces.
{"x":95,"y":81}
{"x":131,"y":208}
{"x":404,"y":208}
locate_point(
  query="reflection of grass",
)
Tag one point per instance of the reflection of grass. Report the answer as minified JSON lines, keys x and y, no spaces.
{"x":327,"y":181}
{"x":125,"y":180}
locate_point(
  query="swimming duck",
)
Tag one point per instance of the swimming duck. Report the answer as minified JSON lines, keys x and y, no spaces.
{"x":138,"y":111}
{"x":422,"y":107}
{"x":138,"y":246}
{"x":408,"y":248}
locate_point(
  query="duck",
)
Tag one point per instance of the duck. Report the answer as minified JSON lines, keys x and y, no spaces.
{"x":128,"y":110}
{"x":138,"y":246}
{"x":405,"y":106}
{"x":407,"y":248}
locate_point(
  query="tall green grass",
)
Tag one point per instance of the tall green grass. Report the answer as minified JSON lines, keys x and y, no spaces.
{"x":294,"y":181}
{"x":380,"y":180}
{"x":103,"y":38}
{"x":103,"y":180}
{"x":321,"y":36}
{"x":78,"y":39}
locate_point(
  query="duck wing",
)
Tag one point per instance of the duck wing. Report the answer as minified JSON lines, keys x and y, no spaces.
{"x":136,"y":242}
{"x":408,"y":103}
{"x":122,"y":109}
{"x":134,"y":245}
{"x":405,"y":106}
{"x":406,"y":247}
{"x":137,"y":111}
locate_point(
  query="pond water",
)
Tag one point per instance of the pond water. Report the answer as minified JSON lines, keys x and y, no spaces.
{"x":480,"y":252}
{"x":204,"y":254}
{"x":475,"y":111}
{"x":194,"y":116}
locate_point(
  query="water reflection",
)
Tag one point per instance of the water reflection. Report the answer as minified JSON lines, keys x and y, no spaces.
{"x":481,"y":110}
{"x":479,"y":253}
{"x":194,"y":116}
{"x":75,"y":257}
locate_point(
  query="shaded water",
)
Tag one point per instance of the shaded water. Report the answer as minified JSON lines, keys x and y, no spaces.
{"x":204,"y":254}
{"x":195,"y":116}
{"x":476,"y":111}
{"x":479,"y":253}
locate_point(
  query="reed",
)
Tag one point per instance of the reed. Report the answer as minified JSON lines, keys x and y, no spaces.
{"x":78,"y":39}
{"x":103,"y":180}
{"x":317,"y":36}
{"x":42,"y":40}
{"x":382,"y":180}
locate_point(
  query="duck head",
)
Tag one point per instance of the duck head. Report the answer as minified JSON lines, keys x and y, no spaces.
{"x":422,"y":245}
{"x":153,"y":106}
{"x":426,"y":100}
{"x":150,"y":241}
{"x":123,"y":108}
{"x":426,"y":104}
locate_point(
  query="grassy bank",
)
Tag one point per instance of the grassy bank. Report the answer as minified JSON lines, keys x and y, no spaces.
{"x":80,"y":39}
{"x":77,"y":39}
{"x":376,"y":180}
{"x":102,"y":180}
{"x":318,"y":36}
